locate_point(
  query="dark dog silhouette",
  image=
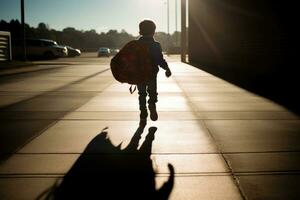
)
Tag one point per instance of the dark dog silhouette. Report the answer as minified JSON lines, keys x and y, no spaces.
{"x":104,"y":171}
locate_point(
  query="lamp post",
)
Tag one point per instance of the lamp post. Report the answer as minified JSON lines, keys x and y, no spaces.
{"x":168,"y":17}
{"x":176,"y":37}
{"x":23,"y":31}
{"x":183,"y":31}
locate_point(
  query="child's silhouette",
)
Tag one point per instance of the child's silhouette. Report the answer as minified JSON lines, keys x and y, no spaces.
{"x":105,"y":171}
{"x":147,"y":31}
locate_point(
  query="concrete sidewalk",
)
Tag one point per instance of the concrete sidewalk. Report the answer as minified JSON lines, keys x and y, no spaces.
{"x":223,"y":142}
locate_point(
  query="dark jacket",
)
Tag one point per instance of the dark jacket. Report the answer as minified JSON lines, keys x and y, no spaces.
{"x":156,"y":52}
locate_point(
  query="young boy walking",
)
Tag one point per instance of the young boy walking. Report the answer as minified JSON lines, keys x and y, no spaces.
{"x":147,"y":31}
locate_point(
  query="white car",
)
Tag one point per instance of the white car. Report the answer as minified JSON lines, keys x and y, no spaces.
{"x":42,"y":48}
{"x":45,"y":48}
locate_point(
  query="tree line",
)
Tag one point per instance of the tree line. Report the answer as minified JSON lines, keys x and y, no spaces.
{"x":85,"y":40}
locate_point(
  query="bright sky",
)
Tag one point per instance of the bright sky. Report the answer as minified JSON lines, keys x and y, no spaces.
{"x":101,"y":15}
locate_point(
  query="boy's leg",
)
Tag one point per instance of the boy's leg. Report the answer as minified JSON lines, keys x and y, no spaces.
{"x":152,"y":91}
{"x":142,"y":101}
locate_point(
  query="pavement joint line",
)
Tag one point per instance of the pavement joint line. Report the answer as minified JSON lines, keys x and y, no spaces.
{"x":164,"y":174}
{"x":128,"y":111}
{"x":166,"y":153}
{"x":266,"y":173}
{"x":158,"y":111}
{"x":78,"y":153}
{"x":295,"y":118}
{"x":233,"y":175}
{"x":234,"y":119}
{"x":118,"y":120}
{"x":216,"y":173}
{"x":157,"y":175}
{"x":195,"y":109}
{"x":123,"y":92}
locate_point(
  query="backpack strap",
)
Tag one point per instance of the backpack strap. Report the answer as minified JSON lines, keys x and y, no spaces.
{"x":132,"y":90}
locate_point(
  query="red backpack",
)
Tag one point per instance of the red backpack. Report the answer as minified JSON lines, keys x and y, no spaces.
{"x":133,"y":64}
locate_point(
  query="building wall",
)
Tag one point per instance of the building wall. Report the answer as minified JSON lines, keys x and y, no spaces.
{"x":252,"y":43}
{"x":5,"y":46}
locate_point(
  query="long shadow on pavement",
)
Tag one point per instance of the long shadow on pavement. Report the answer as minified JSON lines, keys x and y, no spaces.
{"x":17,"y":128}
{"x":104,"y":171}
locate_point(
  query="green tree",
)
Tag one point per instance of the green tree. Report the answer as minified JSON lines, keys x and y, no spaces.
{"x":85,"y":40}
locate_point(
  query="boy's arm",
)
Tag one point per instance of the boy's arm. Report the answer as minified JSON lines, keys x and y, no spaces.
{"x":161,"y":61}
{"x":163,"y":64}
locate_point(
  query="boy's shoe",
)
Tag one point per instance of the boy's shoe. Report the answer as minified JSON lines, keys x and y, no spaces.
{"x":153,"y":113}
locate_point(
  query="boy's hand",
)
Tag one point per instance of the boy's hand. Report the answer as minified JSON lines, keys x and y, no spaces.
{"x":168,"y":73}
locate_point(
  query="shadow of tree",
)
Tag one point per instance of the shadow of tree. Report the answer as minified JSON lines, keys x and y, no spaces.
{"x":104,"y":171}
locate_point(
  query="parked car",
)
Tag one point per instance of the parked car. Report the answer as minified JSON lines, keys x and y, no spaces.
{"x":103,"y":51}
{"x":72,"y":52}
{"x":40,"y":48}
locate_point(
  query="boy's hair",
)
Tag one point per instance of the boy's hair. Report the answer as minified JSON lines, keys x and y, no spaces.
{"x":147,"y":27}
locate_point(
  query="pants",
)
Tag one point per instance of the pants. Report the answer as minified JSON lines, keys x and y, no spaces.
{"x":150,"y":88}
